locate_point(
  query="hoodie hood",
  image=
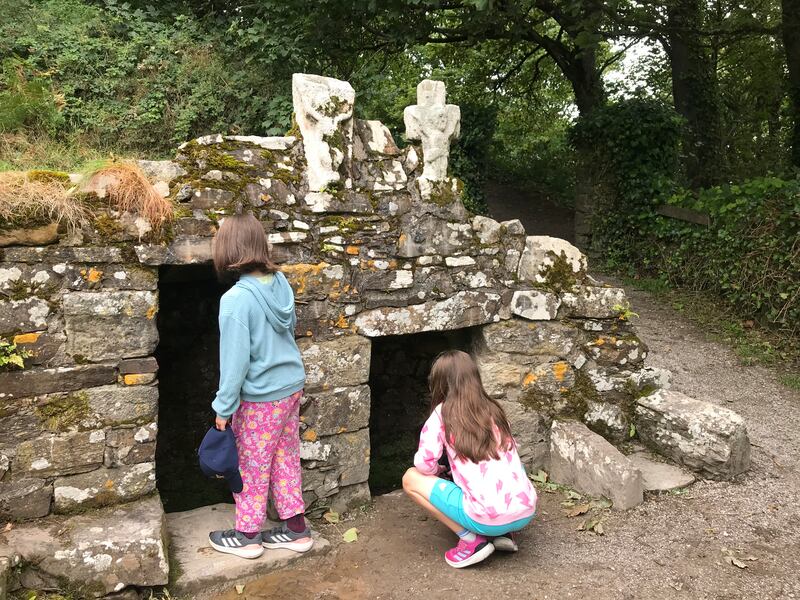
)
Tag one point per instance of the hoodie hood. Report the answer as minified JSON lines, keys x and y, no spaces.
{"x":275,"y":298}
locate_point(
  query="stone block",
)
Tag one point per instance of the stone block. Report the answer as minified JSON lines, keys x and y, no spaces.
{"x":211,"y":199}
{"x":373,"y":138}
{"x":60,"y":454}
{"x":315,"y":280}
{"x":29,"y":314}
{"x":342,"y":361}
{"x":339,"y":410}
{"x":25,"y":499}
{"x":103,"y":487}
{"x":584,"y":460}
{"x":499,"y":372}
{"x":424,"y":234}
{"x":489,"y":231}
{"x":551,"y":261}
{"x":110,"y":325}
{"x":347,"y":201}
{"x":35,"y":382}
{"x":535,"y":305}
{"x":121,"y":405}
{"x":138,"y":365}
{"x":161,"y":170}
{"x":609,"y":350}
{"x":30,"y":236}
{"x":589,"y":302}
{"x":607,"y":419}
{"x":659,"y":476}
{"x":463,"y":309}
{"x":350,"y":498}
{"x":517,"y":336}
{"x":531,"y":430}
{"x":130,"y":445}
{"x":350,"y":456}
{"x":702,"y":436}
{"x":64,"y":254}
{"x":110,"y":277}
{"x":43,"y":347}
{"x":96,"y":553}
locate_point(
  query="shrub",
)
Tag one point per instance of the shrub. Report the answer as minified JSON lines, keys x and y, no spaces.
{"x":749,"y":255}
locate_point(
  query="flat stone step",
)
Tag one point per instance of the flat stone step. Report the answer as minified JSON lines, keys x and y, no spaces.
{"x":203,"y":572}
{"x":659,"y":476}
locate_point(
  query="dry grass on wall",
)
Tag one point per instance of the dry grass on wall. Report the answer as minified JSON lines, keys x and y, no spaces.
{"x":128,"y":190}
{"x":31,"y":198}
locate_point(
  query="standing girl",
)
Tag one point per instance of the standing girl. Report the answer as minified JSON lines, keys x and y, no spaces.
{"x":490,"y":495}
{"x":260,"y":386}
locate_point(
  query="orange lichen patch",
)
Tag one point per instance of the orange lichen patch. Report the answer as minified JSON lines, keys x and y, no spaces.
{"x":298,"y":275}
{"x":310,"y":435}
{"x":529,"y":379}
{"x":342,"y":323}
{"x":352,"y":250}
{"x":92,"y":275}
{"x":151,"y":312}
{"x":309,"y":333}
{"x":402,"y":239}
{"x":563,"y":389}
{"x":560,"y":370}
{"x":137,"y":378}
{"x":26,"y":338}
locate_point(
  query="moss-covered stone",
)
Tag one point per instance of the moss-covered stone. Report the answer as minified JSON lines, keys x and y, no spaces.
{"x":65,"y":412}
{"x":560,"y":276}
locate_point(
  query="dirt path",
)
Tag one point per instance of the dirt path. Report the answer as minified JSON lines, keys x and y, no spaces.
{"x":672,"y":546}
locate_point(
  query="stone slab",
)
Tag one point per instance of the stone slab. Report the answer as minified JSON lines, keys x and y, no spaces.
{"x":96,"y":553}
{"x":702,"y":436}
{"x":342,"y":361}
{"x":659,"y":476}
{"x":204,"y":572}
{"x":463,"y":309}
{"x":582,"y":459}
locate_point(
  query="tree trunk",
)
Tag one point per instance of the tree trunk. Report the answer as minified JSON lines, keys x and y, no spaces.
{"x":694,"y":92}
{"x":791,"y":42}
{"x":587,"y":85}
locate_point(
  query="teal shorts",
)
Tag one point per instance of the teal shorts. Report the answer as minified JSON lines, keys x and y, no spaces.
{"x":448,"y":498}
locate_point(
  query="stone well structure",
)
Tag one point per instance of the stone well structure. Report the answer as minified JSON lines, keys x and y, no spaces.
{"x":376,"y":242}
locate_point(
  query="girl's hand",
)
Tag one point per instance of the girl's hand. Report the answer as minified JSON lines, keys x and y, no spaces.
{"x":220,"y":423}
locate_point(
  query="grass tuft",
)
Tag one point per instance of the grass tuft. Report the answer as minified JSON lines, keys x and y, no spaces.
{"x":130,"y":191}
{"x":27,"y":201}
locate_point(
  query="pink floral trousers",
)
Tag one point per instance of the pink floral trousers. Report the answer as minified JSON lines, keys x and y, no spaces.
{"x":268,"y":443}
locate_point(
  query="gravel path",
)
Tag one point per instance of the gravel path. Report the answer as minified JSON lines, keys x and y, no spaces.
{"x":672,"y":546}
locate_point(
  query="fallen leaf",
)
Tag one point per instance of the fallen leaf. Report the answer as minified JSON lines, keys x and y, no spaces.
{"x":239,"y":589}
{"x":732,"y":560}
{"x":540,"y":477}
{"x":598,"y":529}
{"x":351,"y":535}
{"x":568,"y":503}
{"x":580,"y":509}
{"x":8,"y":527}
{"x":751,"y":558}
{"x":592,"y":524}
{"x":601,"y":503}
{"x":331,"y":517}
{"x":573,"y":495}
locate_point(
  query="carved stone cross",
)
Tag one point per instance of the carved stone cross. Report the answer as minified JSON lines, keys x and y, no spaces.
{"x":435,"y":124}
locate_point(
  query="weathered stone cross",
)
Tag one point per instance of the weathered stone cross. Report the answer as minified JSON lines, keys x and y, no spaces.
{"x":435,"y":124}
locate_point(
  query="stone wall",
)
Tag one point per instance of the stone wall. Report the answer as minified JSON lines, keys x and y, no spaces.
{"x":374,"y":240}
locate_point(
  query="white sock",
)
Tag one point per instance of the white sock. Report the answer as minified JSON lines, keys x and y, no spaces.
{"x":466,"y":535}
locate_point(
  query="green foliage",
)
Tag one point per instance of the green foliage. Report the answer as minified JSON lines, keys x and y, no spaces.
{"x":11,"y":356}
{"x":26,"y":100}
{"x":749,"y":255}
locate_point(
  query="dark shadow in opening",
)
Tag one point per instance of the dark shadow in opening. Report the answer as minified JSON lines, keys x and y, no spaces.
{"x":188,"y":359}
{"x":400,"y":404}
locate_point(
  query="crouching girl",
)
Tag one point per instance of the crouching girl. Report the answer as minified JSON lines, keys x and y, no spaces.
{"x":490,"y":496}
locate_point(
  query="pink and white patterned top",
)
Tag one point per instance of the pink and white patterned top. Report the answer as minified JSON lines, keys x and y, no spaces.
{"x":496,"y":492}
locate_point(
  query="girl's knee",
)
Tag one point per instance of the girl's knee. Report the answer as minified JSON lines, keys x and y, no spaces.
{"x":410,"y":477}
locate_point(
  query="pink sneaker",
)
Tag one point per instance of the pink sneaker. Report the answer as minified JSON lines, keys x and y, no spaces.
{"x":469,"y":553}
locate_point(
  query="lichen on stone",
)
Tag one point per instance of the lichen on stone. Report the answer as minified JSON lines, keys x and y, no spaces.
{"x":65,"y":412}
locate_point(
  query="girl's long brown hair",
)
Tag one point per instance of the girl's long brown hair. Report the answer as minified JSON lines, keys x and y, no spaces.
{"x":240,"y":246}
{"x":475,"y":425}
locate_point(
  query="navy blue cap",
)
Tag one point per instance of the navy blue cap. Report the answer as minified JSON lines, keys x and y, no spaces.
{"x":218,"y":457}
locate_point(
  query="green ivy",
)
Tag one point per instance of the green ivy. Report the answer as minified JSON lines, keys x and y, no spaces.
{"x":749,"y":255}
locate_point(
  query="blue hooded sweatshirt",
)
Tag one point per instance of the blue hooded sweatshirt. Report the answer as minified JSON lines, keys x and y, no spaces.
{"x":258,"y":358}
